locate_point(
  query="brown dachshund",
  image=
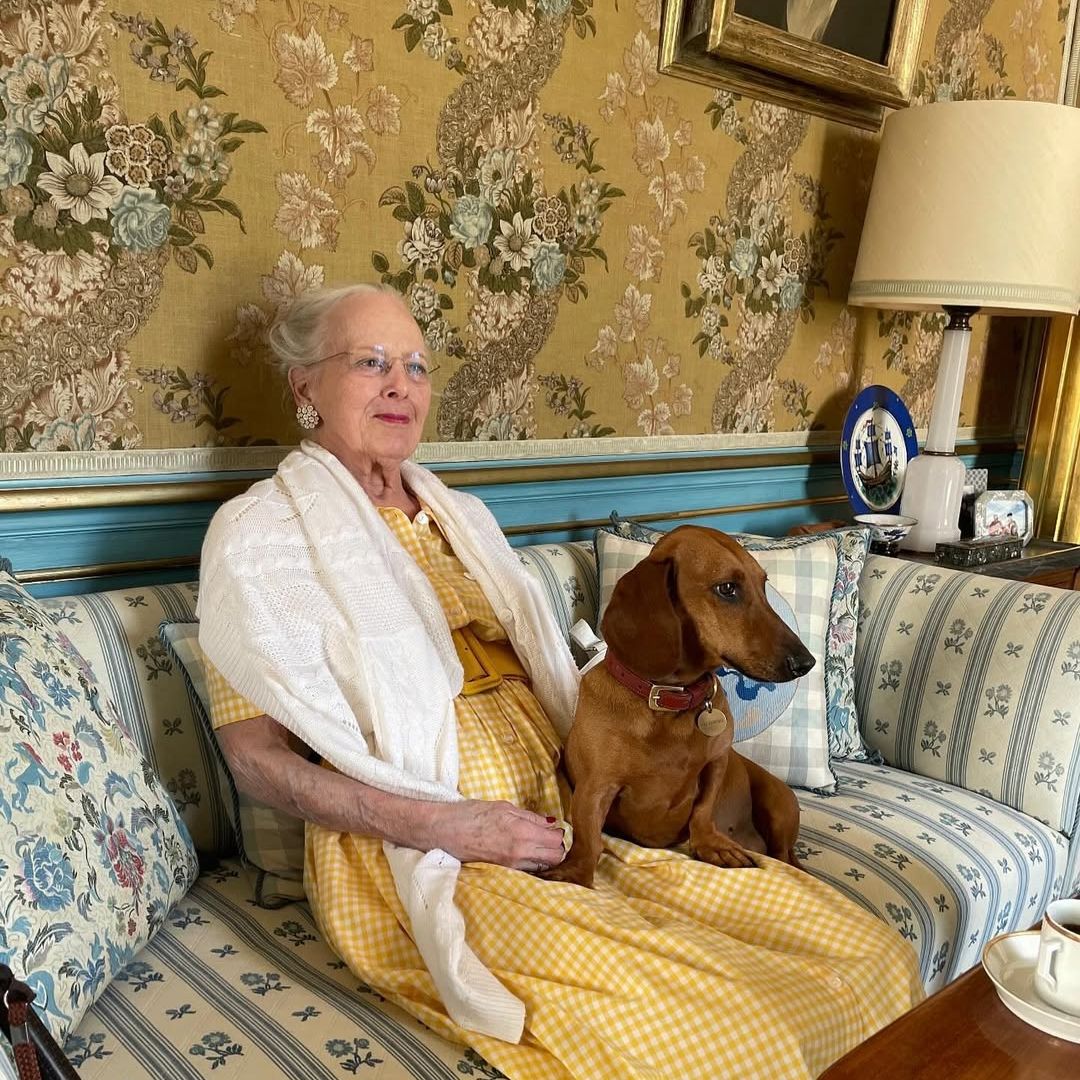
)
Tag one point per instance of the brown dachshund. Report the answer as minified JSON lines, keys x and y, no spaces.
{"x":697,"y":602}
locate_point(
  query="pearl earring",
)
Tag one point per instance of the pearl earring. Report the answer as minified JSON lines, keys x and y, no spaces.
{"x":306,"y":416}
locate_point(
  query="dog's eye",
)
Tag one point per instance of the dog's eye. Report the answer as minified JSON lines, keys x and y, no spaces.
{"x":726,"y":590}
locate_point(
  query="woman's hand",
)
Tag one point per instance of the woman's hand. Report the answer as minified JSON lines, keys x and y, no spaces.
{"x":475,"y":830}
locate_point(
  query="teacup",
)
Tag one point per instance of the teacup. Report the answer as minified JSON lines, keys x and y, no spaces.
{"x":1057,"y":972}
{"x":886,"y":530}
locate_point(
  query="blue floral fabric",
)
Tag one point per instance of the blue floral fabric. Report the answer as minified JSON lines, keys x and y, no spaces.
{"x":93,"y":853}
{"x":117,"y":633}
{"x":947,"y":868}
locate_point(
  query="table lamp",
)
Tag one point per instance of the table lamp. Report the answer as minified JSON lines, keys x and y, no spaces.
{"x":975,"y":206}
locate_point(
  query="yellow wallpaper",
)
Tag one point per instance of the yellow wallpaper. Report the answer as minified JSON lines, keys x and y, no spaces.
{"x":591,"y":248}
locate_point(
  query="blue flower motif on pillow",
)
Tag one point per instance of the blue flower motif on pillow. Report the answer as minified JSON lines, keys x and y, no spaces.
{"x":755,"y":705}
{"x":48,"y":880}
{"x":94,"y":851}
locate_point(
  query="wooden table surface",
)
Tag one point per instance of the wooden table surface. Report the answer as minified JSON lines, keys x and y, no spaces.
{"x":963,"y":1032}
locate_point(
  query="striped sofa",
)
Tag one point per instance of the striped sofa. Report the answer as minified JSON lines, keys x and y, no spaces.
{"x":968,"y":690}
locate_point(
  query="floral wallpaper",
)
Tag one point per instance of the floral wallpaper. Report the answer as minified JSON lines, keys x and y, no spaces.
{"x":592,"y":250}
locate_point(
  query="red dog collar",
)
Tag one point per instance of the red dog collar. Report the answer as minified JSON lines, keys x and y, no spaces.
{"x":663,"y":697}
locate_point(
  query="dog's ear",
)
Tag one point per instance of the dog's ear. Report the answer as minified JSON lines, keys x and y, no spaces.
{"x":641,"y":625}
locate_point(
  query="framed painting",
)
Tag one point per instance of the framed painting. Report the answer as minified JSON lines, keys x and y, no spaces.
{"x":844,"y":60}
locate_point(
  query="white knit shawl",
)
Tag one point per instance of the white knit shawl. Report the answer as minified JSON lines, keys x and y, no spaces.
{"x":312,"y":610}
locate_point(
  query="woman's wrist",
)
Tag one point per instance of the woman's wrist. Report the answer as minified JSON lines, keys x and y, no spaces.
{"x":419,"y":827}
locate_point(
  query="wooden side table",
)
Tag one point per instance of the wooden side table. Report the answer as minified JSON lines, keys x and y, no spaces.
{"x":1042,"y":562}
{"x":960,"y":1033}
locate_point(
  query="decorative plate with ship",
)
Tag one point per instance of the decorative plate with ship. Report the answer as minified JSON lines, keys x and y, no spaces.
{"x":877,"y":443}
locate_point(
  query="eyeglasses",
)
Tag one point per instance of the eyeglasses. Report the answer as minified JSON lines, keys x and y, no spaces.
{"x":373,"y":361}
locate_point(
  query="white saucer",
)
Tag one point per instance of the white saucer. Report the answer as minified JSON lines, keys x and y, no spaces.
{"x":1009,"y":960}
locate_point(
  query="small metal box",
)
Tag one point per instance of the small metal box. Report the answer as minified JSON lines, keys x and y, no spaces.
{"x":967,"y":553}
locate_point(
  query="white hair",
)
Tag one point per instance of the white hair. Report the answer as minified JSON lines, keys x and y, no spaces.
{"x":298,"y":335}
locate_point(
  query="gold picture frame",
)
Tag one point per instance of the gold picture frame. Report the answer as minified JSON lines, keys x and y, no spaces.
{"x":710,"y":42}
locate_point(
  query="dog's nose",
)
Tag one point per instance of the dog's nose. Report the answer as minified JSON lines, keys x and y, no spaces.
{"x":799,"y":663}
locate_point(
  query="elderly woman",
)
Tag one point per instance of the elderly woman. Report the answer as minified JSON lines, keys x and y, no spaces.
{"x":355,"y":602}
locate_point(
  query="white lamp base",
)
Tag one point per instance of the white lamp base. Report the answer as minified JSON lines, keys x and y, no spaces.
{"x":934,"y":483}
{"x":933,"y":488}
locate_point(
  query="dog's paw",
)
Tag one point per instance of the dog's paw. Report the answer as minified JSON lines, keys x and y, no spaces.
{"x":718,"y":850}
{"x":570,"y":873}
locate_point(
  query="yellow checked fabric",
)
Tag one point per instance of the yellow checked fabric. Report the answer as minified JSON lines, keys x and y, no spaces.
{"x":669,"y":968}
{"x":226,"y":706}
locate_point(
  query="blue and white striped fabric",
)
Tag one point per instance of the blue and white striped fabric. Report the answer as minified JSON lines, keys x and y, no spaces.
{"x":974,"y":681}
{"x":7,"y":1065}
{"x":568,"y":574}
{"x":256,"y":992}
{"x":117,"y":633}
{"x":947,"y":868}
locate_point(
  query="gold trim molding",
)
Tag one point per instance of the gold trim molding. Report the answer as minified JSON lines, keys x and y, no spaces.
{"x":94,"y":570}
{"x":89,"y":496}
{"x":1051,"y":474}
{"x":677,"y":515}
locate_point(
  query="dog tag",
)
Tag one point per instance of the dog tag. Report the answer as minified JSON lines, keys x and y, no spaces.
{"x":711,"y":721}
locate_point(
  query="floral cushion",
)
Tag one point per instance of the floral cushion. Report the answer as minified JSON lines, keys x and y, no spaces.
{"x":271,"y":841}
{"x":845,"y":738}
{"x":781,"y":726}
{"x":234,"y":989}
{"x":93,"y":854}
{"x":974,"y":681}
{"x":117,"y":633}
{"x":947,"y":868}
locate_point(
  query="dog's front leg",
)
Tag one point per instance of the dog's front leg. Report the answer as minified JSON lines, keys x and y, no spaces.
{"x":588,"y":811}
{"x":707,"y":842}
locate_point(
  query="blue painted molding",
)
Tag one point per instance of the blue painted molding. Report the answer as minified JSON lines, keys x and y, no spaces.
{"x":762,"y":498}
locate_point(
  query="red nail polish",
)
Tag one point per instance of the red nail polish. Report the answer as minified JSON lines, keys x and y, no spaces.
{"x":551,"y":820}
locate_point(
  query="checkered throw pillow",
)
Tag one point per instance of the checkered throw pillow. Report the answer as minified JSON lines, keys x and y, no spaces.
{"x":845,"y":737}
{"x":781,"y":726}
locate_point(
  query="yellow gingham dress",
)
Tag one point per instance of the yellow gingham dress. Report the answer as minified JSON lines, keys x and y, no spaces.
{"x":669,"y":969}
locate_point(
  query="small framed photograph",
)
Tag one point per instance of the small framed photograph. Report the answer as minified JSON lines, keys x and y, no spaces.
{"x":1001,"y":514}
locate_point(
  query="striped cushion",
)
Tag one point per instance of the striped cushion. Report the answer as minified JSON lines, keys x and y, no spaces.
{"x":568,"y":574}
{"x":117,"y":633}
{"x":257,"y":993}
{"x":947,"y":868}
{"x":270,"y":841}
{"x":974,"y":681}
{"x":795,"y":743}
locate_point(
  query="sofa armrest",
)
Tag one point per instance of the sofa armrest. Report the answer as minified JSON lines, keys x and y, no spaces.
{"x":975,"y":681}
{"x":567,"y":574}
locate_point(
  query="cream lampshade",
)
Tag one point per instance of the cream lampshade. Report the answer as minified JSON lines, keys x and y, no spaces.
{"x":975,"y":206}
